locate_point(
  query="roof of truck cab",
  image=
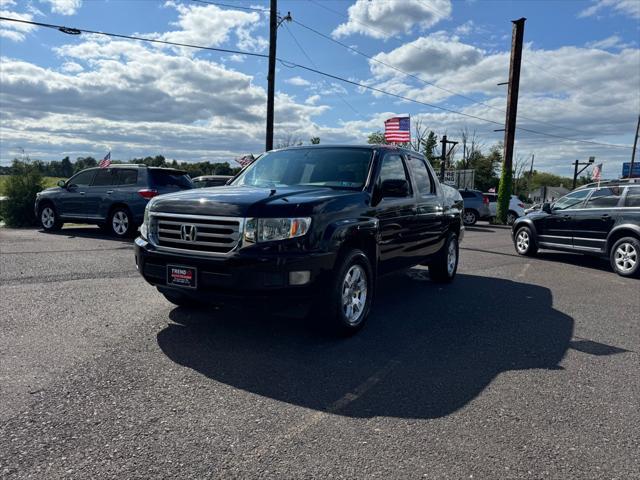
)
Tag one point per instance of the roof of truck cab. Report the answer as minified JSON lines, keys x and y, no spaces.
{"x":355,"y":147}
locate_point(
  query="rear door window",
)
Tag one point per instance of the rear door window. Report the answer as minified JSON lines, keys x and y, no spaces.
{"x":572,"y":200}
{"x":421,"y":175}
{"x":170,"y":178}
{"x":633,"y":197}
{"x":127,"y":176}
{"x":604,"y":198}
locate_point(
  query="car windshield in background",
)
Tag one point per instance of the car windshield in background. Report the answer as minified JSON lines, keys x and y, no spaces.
{"x":170,"y":178}
{"x":324,"y":167}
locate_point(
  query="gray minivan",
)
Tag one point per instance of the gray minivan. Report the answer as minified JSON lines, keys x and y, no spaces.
{"x":113,"y":198}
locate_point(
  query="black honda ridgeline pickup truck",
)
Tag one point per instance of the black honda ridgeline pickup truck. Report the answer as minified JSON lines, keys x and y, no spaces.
{"x":308,"y":229}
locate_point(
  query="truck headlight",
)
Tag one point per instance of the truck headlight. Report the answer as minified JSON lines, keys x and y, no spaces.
{"x":144,"y":228}
{"x":270,"y":229}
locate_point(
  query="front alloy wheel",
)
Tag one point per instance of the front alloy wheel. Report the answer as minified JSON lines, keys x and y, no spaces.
{"x":354,"y":294}
{"x":524,"y":242}
{"x":625,"y":257}
{"x":49,"y":219}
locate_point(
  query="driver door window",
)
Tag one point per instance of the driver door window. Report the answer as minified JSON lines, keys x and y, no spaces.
{"x":393,"y":169}
{"x":572,"y":200}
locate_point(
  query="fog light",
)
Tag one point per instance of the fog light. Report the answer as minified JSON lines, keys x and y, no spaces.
{"x":299,"y":278}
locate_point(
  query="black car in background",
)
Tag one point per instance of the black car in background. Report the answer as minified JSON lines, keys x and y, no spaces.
{"x":597,"y":219}
{"x":113,"y":198}
{"x":205,"y":181}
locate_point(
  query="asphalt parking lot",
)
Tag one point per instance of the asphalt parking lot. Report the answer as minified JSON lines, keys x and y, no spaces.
{"x":522,"y":368}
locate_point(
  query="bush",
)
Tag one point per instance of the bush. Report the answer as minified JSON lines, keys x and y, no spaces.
{"x":21,"y":188}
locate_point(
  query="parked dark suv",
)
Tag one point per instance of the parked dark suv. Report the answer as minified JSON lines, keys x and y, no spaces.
{"x":595,"y":219}
{"x":304,"y":228}
{"x":114,"y":197}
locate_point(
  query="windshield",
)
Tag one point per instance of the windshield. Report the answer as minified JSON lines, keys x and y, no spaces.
{"x":324,"y":167}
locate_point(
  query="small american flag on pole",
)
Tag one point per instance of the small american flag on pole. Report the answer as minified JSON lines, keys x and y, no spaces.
{"x":106,"y":161}
{"x":245,"y":160}
{"x":397,"y":129}
{"x":597,"y":172}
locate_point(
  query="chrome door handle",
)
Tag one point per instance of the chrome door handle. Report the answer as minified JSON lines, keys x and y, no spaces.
{"x":606,"y":216}
{"x":81,"y":193}
{"x":109,"y":192}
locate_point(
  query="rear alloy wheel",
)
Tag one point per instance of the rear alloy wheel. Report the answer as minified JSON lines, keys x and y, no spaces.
{"x":120,"y":222}
{"x":625,"y":257}
{"x":469,"y":217}
{"x":444,"y":267}
{"x":525,"y":245}
{"x":511,"y":217}
{"x":49,"y":219}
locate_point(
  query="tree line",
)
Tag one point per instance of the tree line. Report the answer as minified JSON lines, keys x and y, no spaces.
{"x":66,"y":167}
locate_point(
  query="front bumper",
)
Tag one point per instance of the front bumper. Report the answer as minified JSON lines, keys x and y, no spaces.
{"x":242,"y":276}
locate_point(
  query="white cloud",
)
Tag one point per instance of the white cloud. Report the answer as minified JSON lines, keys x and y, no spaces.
{"x":387,"y":18}
{"x":211,"y":26}
{"x":614,"y":41}
{"x":298,"y":81}
{"x":64,"y":7}
{"x":71,"y":67}
{"x":623,"y":7}
{"x":14,"y":31}
{"x":312,"y":100}
{"x":434,"y":54}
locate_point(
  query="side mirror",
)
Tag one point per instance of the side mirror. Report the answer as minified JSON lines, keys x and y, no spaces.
{"x":546,"y":207}
{"x":62,"y":183}
{"x":394,"y":188}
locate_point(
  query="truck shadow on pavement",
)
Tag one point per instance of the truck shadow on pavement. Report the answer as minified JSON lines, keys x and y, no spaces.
{"x":427,"y":351}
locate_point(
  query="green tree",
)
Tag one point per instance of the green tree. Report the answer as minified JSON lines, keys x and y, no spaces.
{"x":429,"y":147}
{"x":376,"y":138}
{"x":21,"y":188}
{"x":315,"y":140}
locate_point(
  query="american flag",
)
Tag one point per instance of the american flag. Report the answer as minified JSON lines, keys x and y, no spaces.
{"x":106,"y":161}
{"x":397,"y":129}
{"x":246,"y":160}
{"x":597,"y":172}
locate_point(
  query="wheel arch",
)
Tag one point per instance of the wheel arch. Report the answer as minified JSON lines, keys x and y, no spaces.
{"x":361,"y":234}
{"x":621,"y":232}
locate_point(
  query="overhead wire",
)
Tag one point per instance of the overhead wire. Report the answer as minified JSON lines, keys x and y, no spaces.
{"x":77,"y":31}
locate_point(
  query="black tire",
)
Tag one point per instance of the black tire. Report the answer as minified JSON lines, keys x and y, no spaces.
{"x":511,"y":217}
{"x":49,"y":218}
{"x":120,"y":223}
{"x":524,"y":242}
{"x":344,"y":319}
{"x":625,"y":257}
{"x":444,"y":266}
{"x":469,"y":217}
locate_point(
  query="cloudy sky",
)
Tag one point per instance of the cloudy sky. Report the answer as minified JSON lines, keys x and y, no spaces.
{"x":88,"y":94}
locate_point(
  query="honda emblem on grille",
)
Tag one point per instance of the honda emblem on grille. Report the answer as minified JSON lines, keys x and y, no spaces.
{"x":188,"y":233}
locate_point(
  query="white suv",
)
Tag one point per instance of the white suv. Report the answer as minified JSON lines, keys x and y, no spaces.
{"x":516,"y":207}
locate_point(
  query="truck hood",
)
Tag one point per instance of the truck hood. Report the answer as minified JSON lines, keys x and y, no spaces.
{"x":236,"y":201}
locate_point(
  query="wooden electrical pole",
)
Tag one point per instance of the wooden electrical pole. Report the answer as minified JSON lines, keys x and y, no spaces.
{"x":271,"y":76}
{"x":633,"y":154}
{"x":444,"y":154}
{"x":504,"y":192}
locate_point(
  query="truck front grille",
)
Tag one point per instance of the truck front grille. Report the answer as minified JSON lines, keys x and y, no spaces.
{"x":195,"y":233}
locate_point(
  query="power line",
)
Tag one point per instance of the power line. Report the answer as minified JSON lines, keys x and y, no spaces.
{"x":77,"y":31}
{"x":316,"y":66}
{"x":217,"y":4}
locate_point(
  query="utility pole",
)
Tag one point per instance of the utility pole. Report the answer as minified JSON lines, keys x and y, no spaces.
{"x":633,"y":154}
{"x":271,"y":76}
{"x":577,"y":172}
{"x":444,"y":154}
{"x":504,"y":192}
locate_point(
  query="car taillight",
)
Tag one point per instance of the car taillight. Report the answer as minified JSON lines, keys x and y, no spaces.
{"x":521,"y":205}
{"x":147,"y":193}
{"x":485,"y":200}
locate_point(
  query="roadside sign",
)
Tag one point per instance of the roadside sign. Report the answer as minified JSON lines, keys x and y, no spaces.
{"x":626,"y":166}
